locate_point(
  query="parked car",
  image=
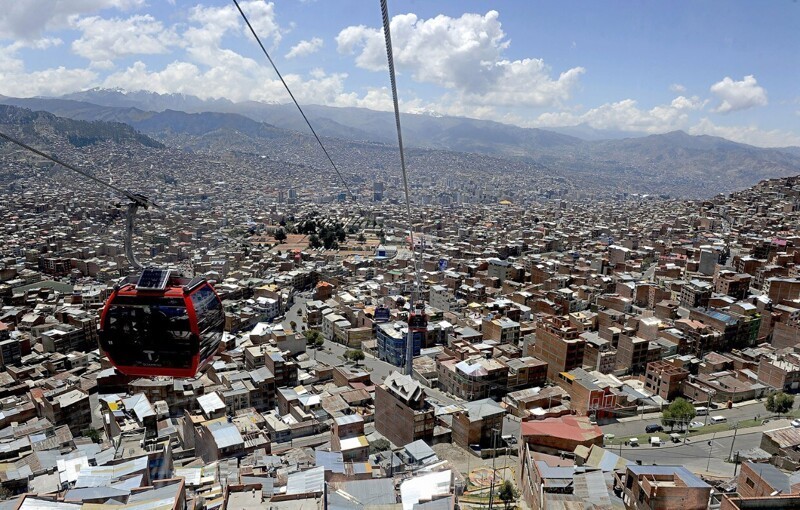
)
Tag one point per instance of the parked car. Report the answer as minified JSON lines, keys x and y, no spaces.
{"x":655,"y":441}
{"x":795,"y":423}
{"x":718,"y":419}
{"x":653,"y":427}
{"x":696,"y":424}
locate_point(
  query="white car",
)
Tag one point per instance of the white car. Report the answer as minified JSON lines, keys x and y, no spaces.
{"x":795,"y":423}
{"x":695,"y":424}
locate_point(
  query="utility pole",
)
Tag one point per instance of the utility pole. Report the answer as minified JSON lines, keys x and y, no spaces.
{"x":494,"y":456}
{"x":710,"y":449}
{"x":708,"y":409}
{"x":735,"y":430}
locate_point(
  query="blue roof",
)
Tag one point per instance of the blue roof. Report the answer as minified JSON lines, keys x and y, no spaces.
{"x":723,"y":317}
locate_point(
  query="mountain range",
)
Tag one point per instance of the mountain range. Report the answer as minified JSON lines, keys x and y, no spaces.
{"x":670,"y":163}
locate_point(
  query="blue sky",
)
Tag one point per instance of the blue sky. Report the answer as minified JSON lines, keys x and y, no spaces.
{"x":725,"y":68}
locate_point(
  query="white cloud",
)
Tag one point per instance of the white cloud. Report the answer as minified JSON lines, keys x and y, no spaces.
{"x":461,"y":54}
{"x":203,"y":40}
{"x":747,"y":134}
{"x":104,"y":40}
{"x":233,"y":82}
{"x":304,"y":48}
{"x":677,"y":88}
{"x":16,"y":81}
{"x":28,"y":19}
{"x":738,"y":95}
{"x":626,"y":115}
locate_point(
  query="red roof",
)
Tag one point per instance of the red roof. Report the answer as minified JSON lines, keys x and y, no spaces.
{"x":575,"y":428}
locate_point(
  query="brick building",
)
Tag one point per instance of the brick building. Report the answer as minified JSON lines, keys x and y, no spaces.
{"x":401,"y":413}
{"x":757,"y":480}
{"x":476,"y":423}
{"x":781,"y":374}
{"x":663,"y":488}
{"x":634,"y":353}
{"x":558,"y":344}
{"x":665,"y":379}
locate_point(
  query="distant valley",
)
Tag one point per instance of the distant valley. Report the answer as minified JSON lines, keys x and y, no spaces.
{"x":673,"y":163}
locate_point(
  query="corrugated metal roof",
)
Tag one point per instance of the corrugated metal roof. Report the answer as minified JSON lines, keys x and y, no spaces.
{"x":140,"y":406}
{"x":425,"y":488}
{"x":267,"y":484}
{"x":210,"y":403}
{"x":347,"y":420}
{"x":34,"y":503}
{"x":306,"y":482}
{"x":98,"y":476}
{"x":379,"y":491}
{"x":331,"y":461}
{"x":226,"y":434}
{"x":89,"y":493}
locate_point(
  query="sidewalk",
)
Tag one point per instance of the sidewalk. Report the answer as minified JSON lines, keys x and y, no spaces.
{"x":772,"y":425}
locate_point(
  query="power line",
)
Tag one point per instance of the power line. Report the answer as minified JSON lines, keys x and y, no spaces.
{"x":286,"y":86}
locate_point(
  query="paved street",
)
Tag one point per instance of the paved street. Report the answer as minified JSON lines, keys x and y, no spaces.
{"x":694,"y":454}
{"x":635,"y":426}
{"x":295,"y":311}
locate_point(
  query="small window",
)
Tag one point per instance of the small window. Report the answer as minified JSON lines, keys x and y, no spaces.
{"x":750,"y":483}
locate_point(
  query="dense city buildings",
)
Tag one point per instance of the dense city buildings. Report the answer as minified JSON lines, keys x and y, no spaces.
{"x":556,"y":325}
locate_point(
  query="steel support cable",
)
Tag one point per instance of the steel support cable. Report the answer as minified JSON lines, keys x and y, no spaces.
{"x":417,"y":289}
{"x":286,"y":86}
{"x":390,"y":58}
{"x":139,"y":199}
{"x":135,"y":198}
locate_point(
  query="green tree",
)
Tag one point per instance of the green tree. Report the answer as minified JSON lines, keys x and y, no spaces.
{"x":314,"y":241}
{"x":379,"y":445}
{"x":311,"y":336}
{"x":355,"y":355}
{"x":319,"y":342}
{"x":507,"y":493}
{"x":92,"y":434}
{"x":361,"y":238}
{"x":280,"y":235}
{"x":779,"y":402}
{"x":293,"y":325}
{"x":679,"y":412}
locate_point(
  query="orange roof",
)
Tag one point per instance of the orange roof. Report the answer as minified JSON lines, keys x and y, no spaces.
{"x":575,"y":428}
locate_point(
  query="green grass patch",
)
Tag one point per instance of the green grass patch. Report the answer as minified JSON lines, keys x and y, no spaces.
{"x":644,"y":438}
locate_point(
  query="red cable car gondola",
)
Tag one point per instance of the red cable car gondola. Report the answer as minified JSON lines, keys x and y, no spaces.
{"x":161,"y":325}
{"x":417,"y":320}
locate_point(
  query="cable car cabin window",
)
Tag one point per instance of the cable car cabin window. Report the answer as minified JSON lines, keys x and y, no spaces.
{"x":150,"y":334}
{"x":417,"y":321}
{"x":210,"y":320}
